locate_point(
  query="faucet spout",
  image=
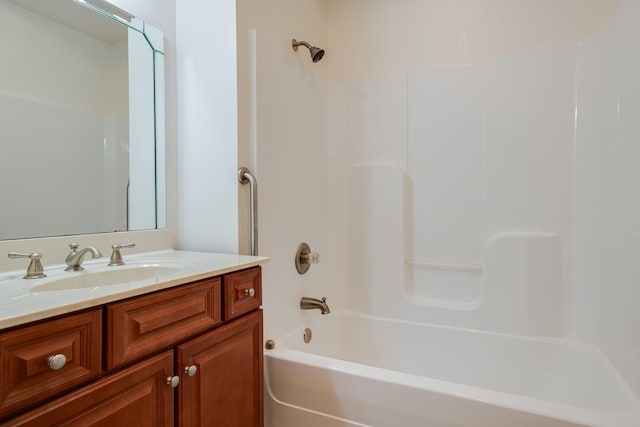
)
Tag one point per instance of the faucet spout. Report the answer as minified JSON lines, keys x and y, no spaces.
{"x":313,"y":303}
{"x":75,"y":257}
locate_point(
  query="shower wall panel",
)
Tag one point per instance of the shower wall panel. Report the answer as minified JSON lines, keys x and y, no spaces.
{"x":290,"y":142}
{"x":487,"y":152}
{"x":498,"y":195}
{"x":518,"y":180}
{"x":619,"y":231}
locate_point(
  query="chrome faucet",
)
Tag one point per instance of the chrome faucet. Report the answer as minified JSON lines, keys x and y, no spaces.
{"x":75,"y":257}
{"x":311,"y":303}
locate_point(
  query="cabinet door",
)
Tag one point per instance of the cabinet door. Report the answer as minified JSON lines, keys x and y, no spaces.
{"x":137,"y":396}
{"x":226,"y":389}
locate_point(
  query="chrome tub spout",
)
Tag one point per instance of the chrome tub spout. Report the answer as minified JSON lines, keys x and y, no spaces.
{"x":313,"y":303}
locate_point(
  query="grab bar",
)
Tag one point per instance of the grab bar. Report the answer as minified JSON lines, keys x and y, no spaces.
{"x":245,"y":176}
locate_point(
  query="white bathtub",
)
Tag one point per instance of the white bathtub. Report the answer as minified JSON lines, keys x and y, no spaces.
{"x":364,"y":371}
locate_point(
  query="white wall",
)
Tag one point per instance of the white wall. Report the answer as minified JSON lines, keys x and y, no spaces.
{"x":208,"y":160}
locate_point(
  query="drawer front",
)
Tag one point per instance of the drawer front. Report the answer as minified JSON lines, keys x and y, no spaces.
{"x":146,"y":324}
{"x":25,"y":375}
{"x":136,"y":396}
{"x":242,"y":292}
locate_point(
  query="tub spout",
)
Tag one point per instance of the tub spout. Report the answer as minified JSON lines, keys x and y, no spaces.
{"x":312,"y":303}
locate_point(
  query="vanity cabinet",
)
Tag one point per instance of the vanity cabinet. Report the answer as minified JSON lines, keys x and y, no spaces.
{"x":179,"y":335}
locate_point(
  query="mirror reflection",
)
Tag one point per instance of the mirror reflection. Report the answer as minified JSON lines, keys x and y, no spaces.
{"x":81,"y":120}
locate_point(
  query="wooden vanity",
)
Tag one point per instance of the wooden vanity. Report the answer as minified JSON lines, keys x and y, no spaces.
{"x":190,"y":355}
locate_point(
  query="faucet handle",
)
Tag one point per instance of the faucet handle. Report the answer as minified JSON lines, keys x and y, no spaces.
{"x":304,"y":258}
{"x":116,"y":257}
{"x":74,"y":246}
{"x":34,"y":270}
{"x":310,"y":258}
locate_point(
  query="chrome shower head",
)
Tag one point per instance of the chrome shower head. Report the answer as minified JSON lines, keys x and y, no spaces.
{"x":316,"y":53}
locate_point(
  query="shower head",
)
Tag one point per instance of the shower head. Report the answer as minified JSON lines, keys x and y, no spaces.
{"x":316,"y":53}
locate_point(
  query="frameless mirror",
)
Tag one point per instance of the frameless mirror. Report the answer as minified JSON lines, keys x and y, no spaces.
{"x":81,"y":120}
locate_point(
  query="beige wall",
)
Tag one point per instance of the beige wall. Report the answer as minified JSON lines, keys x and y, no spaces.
{"x":374,"y":38}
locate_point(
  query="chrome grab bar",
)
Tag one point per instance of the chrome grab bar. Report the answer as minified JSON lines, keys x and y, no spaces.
{"x":245,"y":176}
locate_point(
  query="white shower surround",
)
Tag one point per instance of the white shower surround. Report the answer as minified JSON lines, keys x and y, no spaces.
{"x":510,"y":183}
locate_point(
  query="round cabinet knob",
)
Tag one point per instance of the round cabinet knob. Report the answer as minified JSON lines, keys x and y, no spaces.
{"x":191,"y":370}
{"x":173,"y":381}
{"x":57,"y":361}
{"x":251,"y":292}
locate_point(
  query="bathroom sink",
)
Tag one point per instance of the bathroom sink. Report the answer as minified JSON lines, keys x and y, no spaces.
{"x":108,"y":277}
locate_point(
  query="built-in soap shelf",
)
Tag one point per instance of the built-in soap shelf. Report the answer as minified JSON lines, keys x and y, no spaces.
{"x":444,"y":265}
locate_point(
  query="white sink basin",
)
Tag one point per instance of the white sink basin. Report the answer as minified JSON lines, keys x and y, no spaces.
{"x":108,"y":277}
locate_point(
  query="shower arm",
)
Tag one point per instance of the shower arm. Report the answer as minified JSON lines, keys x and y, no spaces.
{"x":296,"y":43}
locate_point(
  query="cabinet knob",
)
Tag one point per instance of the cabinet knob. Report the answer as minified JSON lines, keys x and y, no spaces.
{"x":251,"y":292}
{"x":57,"y":361}
{"x":191,"y":370}
{"x":173,"y":381}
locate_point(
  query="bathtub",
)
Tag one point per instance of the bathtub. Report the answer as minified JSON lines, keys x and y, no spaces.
{"x":365,"y":371}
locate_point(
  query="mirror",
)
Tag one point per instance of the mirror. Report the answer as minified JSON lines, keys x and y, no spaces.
{"x":81,"y":120}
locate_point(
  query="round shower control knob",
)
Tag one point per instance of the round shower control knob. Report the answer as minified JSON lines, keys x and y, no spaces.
{"x":57,"y":361}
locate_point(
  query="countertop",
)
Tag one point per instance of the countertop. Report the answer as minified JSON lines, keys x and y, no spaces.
{"x":20,"y":303}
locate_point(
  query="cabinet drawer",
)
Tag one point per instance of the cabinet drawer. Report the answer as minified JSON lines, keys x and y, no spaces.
{"x":136,"y":396}
{"x":242,"y":292}
{"x":146,"y":324}
{"x":25,"y":375}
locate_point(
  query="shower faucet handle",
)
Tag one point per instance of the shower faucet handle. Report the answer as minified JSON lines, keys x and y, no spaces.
{"x":310,"y":258}
{"x":304,"y":258}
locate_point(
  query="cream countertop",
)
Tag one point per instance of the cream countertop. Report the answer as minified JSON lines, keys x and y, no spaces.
{"x":20,"y":304}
